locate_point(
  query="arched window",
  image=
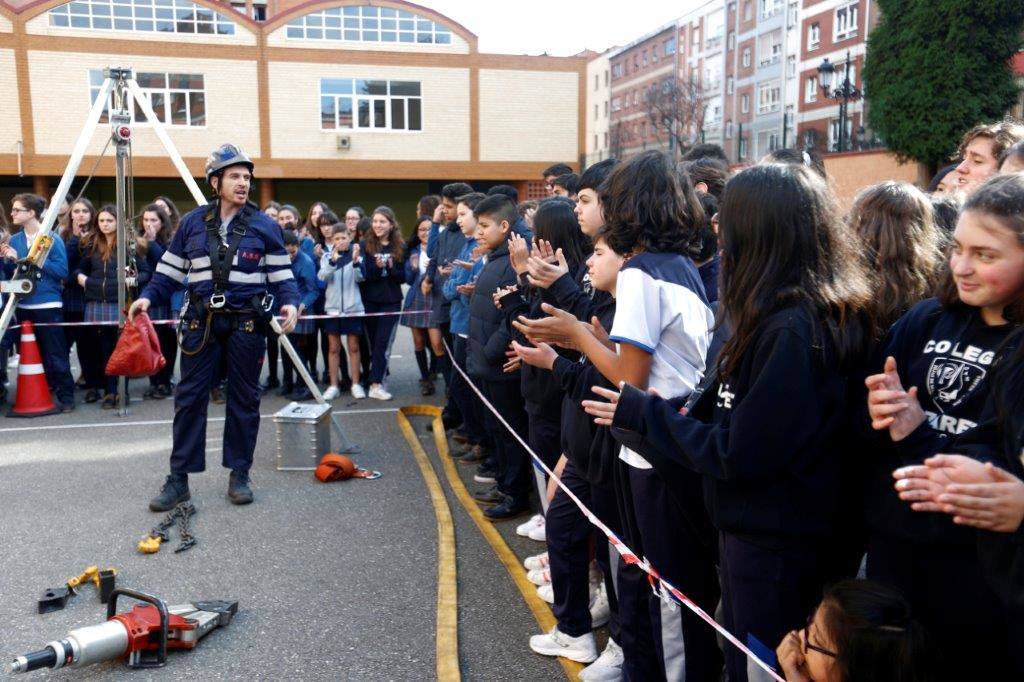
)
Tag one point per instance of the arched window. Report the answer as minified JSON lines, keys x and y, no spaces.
{"x":369,"y":24}
{"x":160,"y":16}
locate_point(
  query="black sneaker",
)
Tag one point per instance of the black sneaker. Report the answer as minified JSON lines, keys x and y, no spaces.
{"x":217,"y":395}
{"x":92,"y":396}
{"x":300,"y":394}
{"x":270,"y":384}
{"x":239,"y":491}
{"x":473,"y":455}
{"x":162,"y":391}
{"x":174,"y":491}
{"x":509,"y":508}
{"x":286,"y":390}
{"x":427,"y":387}
{"x":490,"y":496}
{"x":148,"y":393}
{"x":68,"y":406}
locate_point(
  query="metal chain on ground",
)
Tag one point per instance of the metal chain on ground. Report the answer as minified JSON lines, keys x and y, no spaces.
{"x":180,"y":515}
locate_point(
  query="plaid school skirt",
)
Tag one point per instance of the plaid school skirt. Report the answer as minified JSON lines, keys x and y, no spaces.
{"x":416,"y":301}
{"x":99,"y":311}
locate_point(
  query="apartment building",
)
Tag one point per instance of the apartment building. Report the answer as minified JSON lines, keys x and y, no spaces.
{"x":833,"y":29}
{"x":638,"y":70}
{"x":702,"y":54}
{"x":598,"y":108}
{"x":348,"y":98}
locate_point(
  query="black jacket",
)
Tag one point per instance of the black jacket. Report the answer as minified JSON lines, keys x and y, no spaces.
{"x":542,"y":393}
{"x":381,"y":286}
{"x":101,"y":275}
{"x":771,"y":442}
{"x":592,"y":449}
{"x":488,"y":335}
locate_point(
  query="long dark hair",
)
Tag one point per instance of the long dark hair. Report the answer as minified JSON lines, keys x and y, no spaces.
{"x":396,"y":244}
{"x":1002,"y":199}
{"x":172,"y":212}
{"x":646,"y":208}
{"x":328,"y":217}
{"x":555,"y":221}
{"x":307,"y":226}
{"x":163,"y":237}
{"x":96,"y":241}
{"x":874,"y":634}
{"x":67,"y":232}
{"x":414,"y":240}
{"x":784,"y":243}
{"x":895,"y":224}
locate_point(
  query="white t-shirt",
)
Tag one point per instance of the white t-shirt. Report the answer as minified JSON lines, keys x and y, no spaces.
{"x":660,"y":307}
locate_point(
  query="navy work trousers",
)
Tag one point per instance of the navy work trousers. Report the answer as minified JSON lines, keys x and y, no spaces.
{"x":243,"y":352}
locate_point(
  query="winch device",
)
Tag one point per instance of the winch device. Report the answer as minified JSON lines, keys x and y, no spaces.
{"x":142,"y":635}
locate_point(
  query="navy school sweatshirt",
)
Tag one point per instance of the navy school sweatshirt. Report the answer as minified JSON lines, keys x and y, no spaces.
{"x":488,"y":335}
{"x":948,"y":355}
{"x":382,"y":284}
{"x":771,"y":441}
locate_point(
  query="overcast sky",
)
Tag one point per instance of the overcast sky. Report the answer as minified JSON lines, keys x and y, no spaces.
{"x":559,"y":27}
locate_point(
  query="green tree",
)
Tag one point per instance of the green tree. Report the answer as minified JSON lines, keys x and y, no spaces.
{"x":935,"y":68}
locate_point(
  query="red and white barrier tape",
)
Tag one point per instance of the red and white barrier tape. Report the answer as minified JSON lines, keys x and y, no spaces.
{"x":628,"y":555}
{"x":37,"y":325}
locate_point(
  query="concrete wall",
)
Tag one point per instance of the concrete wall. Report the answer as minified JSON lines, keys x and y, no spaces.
{"x":295,"y":131}
{"x":60,"y":103}
{"x":529,"y":115}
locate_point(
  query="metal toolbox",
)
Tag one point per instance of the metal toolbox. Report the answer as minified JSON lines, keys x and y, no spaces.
{"x":303,"y":436}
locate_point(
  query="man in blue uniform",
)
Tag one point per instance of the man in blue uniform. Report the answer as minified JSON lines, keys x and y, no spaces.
{"x":234,"y":257}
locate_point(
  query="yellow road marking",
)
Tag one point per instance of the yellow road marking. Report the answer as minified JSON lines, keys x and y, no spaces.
{"x":447,"y":635}
{"x":540,"y":609}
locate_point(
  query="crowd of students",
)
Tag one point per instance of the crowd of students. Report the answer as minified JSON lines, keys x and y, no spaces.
{"x":807,"y":421}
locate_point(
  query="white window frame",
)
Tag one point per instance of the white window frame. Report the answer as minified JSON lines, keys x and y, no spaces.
{"x":748,"y":10}
{"x":773,"y":101}
{"x":730,"y":85}
{"x":811,"y":89}
{"x":670,"y":45}
{"x":847,"y":14}
{"x":746,"y":57}
{"x":617,"y":70}
{"x":695,"y":35}
{"x":616,"y":104}
{"x":356,"y":98}
{"x":791,"y":66}
{"x":769,"y":8}
{"x":728,"y":129}
{"x":773,"y":54}
{"x":745,"y":103}
{"x":731,"y":41}
{"x":833,"y":131}
{"x":813,"y":36}
{"x":368,"y":24}
{"x":94,"y":78}
{"x":181,"y":17}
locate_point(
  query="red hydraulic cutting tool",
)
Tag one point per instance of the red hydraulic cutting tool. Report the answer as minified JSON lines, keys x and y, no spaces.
{"x":142,"y":635}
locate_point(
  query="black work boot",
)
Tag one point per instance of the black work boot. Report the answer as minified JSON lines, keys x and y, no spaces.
{"x":173,"y":492}
{"x":239,"y":491}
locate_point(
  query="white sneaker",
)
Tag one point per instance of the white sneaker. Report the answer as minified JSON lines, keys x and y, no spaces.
{"x":523,"y":529}
{"x":331,"y":393}
{"x":600,"y":611}
{"x":607,"y":667}
{"x":378,"y":393}
{"x":539,"y":576}
{"x":582,"y":649}
{"x":538,"y":533}
{"x":547,"y":593}
{"x":532,"y":563}
{"x":358,"y":392}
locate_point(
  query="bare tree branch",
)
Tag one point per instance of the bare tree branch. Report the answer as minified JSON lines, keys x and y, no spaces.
{"x":676,"y":111}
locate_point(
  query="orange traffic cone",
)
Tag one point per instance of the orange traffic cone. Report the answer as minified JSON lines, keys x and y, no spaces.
{"x":33,"y":392}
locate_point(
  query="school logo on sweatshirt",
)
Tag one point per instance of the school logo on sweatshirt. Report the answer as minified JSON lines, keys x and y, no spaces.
{"x":950,"y":381}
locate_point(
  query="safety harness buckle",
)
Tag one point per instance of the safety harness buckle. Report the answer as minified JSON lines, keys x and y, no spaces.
{"x":217,"y":301}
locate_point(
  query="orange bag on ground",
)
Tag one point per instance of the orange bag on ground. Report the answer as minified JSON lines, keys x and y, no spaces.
{"x":137,"y":353}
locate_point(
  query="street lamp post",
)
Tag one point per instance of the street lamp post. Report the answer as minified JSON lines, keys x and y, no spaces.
{"x":843,"y":92}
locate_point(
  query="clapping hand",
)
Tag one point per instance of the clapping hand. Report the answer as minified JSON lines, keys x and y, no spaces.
{"x":890,"y":406}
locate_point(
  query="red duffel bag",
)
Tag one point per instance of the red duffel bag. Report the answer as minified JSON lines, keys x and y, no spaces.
{"x":137,"y":353}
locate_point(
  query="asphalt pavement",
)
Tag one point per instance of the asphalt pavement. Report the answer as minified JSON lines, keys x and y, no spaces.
{"x":334,"y":581}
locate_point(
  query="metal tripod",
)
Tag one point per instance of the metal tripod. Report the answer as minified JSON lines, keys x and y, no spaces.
{"x":118,"y":83}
